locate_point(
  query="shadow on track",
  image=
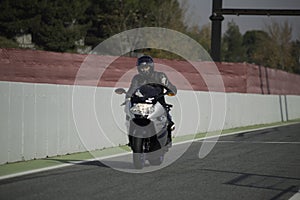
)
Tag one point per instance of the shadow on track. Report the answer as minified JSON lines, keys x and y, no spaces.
{"x":285,"y":185}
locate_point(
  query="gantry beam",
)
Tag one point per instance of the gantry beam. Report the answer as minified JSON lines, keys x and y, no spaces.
{"x":217,"y":18}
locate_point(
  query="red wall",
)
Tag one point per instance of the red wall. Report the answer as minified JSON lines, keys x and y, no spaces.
{"x":61,"y":68}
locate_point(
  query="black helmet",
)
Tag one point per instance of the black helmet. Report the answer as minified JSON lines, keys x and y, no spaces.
{"x":145,"y":65}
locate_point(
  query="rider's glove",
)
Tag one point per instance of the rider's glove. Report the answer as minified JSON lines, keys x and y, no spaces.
{"x":171,"y":94}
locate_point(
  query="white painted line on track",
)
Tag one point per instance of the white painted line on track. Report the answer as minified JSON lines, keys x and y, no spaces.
{"x":60,"y":166}
{"x":296,"y":196}
{"x":252,"y":142}
{"x":127,"y":153}
{"x":234,"y":133}
{"x":34,"y":171}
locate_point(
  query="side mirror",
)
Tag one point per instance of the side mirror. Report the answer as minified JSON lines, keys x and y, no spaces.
{"x":120,"y":91}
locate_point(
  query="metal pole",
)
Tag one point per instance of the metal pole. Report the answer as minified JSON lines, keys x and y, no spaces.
{"x":216,"y":30}
{"x":217,"y":18}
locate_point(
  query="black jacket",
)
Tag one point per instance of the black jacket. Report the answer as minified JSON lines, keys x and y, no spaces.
{"x":156,"y":77}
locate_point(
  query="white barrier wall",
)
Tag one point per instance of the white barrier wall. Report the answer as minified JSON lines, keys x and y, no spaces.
{"x":37,"y":120}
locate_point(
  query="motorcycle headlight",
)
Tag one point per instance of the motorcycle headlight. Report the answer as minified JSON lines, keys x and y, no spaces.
{"x":142,"y":109}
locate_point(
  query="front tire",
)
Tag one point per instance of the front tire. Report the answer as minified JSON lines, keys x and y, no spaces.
{"x":138,"y":157}
{"x":138,"y":160}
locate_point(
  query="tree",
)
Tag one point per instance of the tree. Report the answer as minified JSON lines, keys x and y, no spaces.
{"x":7,"y":43}
{"x":233,"y":49}
{"x":164,"y":14}
{"x":275,"y":50}
{"x":111,"y":17}
{"x":280,"y":45}
{"x":201,"y":35}
{"x":54,"y":25}
{"x":167,"y":14}
{"x":18,"y":17}
{"x":57,"y":25}
{"x":95,"y":13}
{"x":62,"y":24}
{"x":295,"y":53}
{"x":253,"y":42}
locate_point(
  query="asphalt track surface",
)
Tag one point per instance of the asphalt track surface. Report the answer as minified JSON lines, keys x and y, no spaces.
{"x":262,"y":164}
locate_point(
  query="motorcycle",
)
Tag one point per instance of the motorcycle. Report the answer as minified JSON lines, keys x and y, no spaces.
{"x":147,"y":124}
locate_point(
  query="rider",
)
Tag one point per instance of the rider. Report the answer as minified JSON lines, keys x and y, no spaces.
{"x":145,"y":67}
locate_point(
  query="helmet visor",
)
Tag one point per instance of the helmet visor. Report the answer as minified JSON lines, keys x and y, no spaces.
{"x":145,"y":68}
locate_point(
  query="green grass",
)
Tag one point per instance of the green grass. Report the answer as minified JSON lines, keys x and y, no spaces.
{"x":23,"y":166}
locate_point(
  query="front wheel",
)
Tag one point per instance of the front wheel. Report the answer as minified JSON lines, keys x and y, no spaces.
{"x":138,"y":155}
{"x":138,"y":160}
